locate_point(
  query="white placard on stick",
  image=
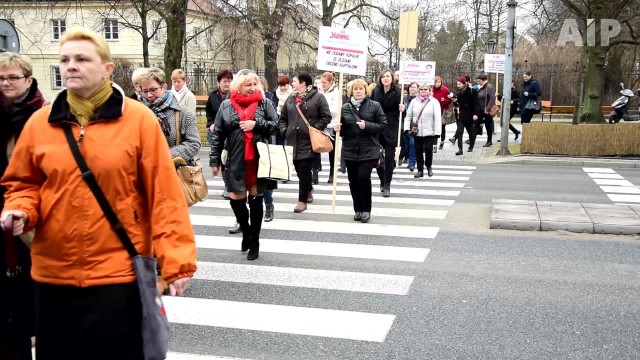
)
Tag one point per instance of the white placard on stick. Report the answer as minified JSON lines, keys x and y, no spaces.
{"x":343,"y":50}
{"x":421,"y":72}
{"x":494,"y":63}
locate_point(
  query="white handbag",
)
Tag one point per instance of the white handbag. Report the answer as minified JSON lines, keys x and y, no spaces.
{"x":276,"y":161}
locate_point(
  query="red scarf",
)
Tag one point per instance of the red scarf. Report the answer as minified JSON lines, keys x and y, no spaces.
{"x":246,"y":106}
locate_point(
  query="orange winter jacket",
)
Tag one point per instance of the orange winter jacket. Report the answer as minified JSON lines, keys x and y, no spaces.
{"x":126,"y":150}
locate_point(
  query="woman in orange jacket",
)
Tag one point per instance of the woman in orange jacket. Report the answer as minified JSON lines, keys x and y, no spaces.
{"x":88,"y":302}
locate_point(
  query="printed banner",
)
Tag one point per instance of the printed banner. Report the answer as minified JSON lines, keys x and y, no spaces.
{"x":494,"y":63}
{"x":343,"y":50}
{"x":421,"y":72}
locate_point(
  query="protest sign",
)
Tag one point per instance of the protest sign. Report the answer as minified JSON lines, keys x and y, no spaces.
{"x":343,"y":50}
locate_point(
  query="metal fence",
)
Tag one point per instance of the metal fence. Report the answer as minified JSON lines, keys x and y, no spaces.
{"x":559,"y":82}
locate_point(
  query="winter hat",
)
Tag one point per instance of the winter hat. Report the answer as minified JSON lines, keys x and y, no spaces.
{"x":462,"y":80}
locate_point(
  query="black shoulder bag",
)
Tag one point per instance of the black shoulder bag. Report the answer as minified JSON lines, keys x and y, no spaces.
{"x":155,"y":327}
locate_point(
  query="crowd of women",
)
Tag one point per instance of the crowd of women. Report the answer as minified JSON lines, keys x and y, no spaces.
{"x":70,"y":280}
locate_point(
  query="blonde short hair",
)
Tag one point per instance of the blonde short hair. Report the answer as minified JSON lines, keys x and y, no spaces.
{"x":79,"y":33}
{"x":153,"y":74}
{"x":370,"y":87}
{"x":178,"y":74}
{"x":137,"y":74}
{"x":358,"y":82}
{"x":22,"y":61}
{"x":242,"y":76}
{"x":264,"y":82}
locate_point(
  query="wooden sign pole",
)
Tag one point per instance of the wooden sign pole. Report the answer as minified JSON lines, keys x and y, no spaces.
{"x":337,"y":148}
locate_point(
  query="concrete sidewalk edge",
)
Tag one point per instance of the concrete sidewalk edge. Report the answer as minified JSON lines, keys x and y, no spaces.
{"x":572,"y":217}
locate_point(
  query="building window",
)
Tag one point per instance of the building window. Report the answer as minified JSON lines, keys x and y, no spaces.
{"x":58,"y":27}
{"x":196,"y":32}
{"x":155,"y":27}
{"x":111,"y":29}
{"x":56,"y":78}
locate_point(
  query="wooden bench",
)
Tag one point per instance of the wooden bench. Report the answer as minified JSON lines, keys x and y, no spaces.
{"x":548,"y":109}
{"x":201,"y":103}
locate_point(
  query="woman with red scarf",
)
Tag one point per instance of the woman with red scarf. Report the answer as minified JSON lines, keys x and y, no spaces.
{"x":244,"y":120}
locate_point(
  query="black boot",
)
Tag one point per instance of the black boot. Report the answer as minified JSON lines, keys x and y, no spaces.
{"x":429,"y":172}
{"x":239,"y":208}
{"x":314,"y":177}
{"x":256,"y":213}
{"x":268,"y":213}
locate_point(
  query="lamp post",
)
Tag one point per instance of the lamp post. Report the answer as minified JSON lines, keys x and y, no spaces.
{"x":508,"y":74}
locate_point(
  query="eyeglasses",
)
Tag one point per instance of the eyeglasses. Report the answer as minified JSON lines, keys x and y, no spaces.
{"x":11,"y":79}
{"x":246,"y":72}
{"x":150,"y":91}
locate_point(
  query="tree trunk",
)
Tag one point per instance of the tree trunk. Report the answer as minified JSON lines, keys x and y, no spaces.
{"x":594,"y":82}
{"x":176,"y":20}
{"x":271,"y":61}
{"x":145,"y":41}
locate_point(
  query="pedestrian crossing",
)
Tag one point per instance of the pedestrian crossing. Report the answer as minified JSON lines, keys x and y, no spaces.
{"x":319,"y":252}
{"x":617,"y":188}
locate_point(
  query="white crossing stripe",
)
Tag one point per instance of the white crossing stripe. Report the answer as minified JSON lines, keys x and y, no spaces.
{"x":396,"y":189}
{"x":624,"y":198}
{"x":599,"y":170}
{"x":305,"y":278}
{"x":401,"y":213}
{"x":397,"y":177}
{"x":613,"y":182}
{"x":621,"y":189}
{"x":278,"y":318}
{"x":605,"y":176}
{"x":326,"y":166}
{"x":412,"y":232}
{"x":315,"y":248}
{"x":375,"y":199}
{"x":185,"y":356}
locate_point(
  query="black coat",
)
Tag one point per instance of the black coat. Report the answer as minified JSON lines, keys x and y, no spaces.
{"x":227,"y":128}
{"x":466,"y":104}
{"x":17,"y":300}
{"x":532,"y":87}
{"x":390,"y":102}
{"x":213,"y":104}
{"x":316,"y":109}
{"x":362,"y":144}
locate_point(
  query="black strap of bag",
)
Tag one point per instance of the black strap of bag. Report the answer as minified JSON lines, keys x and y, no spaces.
{"x":90,"y":179}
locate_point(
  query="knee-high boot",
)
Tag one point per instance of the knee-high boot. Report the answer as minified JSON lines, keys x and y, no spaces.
{"x":255,"y":205}
{"x":239,"y":208}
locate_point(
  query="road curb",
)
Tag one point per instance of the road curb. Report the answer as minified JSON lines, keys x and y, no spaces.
{"x":570,"y":162}
{"x":589,"y":218}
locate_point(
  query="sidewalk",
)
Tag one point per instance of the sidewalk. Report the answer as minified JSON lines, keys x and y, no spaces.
{"x":482,"y":155}
{"x":528,"y":215}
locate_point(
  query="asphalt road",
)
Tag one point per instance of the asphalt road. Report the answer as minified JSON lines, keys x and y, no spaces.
{"x":479,"y":294}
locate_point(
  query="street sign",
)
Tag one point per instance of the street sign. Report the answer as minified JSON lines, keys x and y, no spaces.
{"x":494,"y":63}
{"x":421,"y":72}
{"x":343,"y":50}
{"x":408,"y":32}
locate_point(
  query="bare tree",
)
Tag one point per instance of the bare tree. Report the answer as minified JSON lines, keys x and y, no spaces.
{"x":595,"y":56}
{"x":135,"y":15}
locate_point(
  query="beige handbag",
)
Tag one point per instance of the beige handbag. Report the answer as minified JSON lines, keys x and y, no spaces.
{"x":320,"y":140}
{"x":191,"y":177}
{"x":276,"y":161}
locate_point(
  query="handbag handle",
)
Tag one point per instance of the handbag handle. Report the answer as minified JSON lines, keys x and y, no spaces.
{"x":90,"y":179}
{"x":302,"y":115}
{"x":421,"y":110}
{"x":177,"y":127}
